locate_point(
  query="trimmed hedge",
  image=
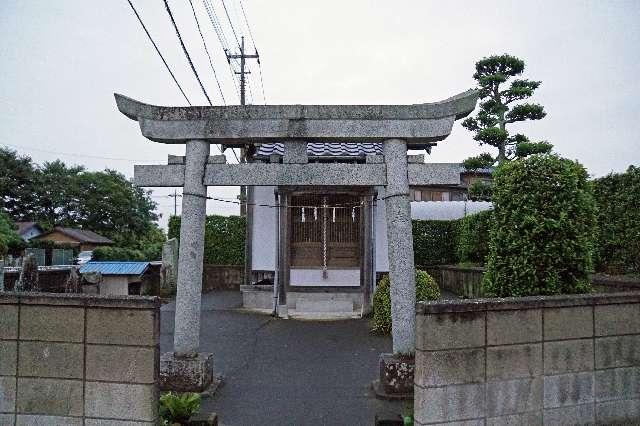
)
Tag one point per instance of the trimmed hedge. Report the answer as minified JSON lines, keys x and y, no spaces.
{"x":224,"y":238}
{"x":618,"y":222}
{"x":542,"y":237}
{"x":434,"y":241}
{"x":473,"y":237}
{"x":119,"y":253}
{"x":426,"y":289}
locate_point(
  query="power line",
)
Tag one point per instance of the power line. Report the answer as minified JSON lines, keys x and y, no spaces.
{"x":207,"y":51}
{"x":71,"y":154}
{"x":186,"y":53}
{"x":215,"y":23}
{"x":158,"y":51}
{"x":246,"y":21}
{"x":230,"y":22}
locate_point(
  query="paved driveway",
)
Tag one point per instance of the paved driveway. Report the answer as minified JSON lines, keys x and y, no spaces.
{"x":286,"y":372}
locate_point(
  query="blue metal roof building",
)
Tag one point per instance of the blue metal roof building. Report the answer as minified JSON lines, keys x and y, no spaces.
{"x":115,"y":268}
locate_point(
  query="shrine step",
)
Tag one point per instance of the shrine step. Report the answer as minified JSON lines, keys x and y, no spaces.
{"x":324,"y":306}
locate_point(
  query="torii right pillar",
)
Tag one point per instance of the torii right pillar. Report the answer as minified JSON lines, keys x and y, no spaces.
{"x":397,"y":368}
{"x":400,"y":247}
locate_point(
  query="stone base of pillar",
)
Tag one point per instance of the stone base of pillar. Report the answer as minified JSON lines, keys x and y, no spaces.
{"x":182,"y":374}
{"x":283,"y":311}
{"x":396,"y":377}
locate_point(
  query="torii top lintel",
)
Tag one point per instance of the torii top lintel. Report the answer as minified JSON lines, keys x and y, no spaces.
{"x":419,"y":124}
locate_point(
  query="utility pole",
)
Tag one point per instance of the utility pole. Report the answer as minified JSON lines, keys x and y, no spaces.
{"x":243,"y":57}
{"x":175,"y":196}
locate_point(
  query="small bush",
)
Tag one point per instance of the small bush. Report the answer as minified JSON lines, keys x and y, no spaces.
{"x":118,"y":253}
{"x":473,"y":237}
{"x":434,"y":241}
{"x":176,"y":408}
{"x":542,"y":235}
{"x":426,"y":289}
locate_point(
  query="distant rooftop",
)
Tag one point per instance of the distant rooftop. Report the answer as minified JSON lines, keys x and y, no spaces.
{"x":115,"y":267}
{"x":83,"y":235}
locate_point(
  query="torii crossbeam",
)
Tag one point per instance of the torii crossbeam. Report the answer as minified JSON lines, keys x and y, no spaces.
{"x":398,"y":127}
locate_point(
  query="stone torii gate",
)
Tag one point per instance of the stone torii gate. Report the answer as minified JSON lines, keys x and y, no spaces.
{"x":399,"y":127}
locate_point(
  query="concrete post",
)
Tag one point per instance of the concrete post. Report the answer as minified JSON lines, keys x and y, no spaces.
{"x":186,"y":340}
{"x":400,"y":242}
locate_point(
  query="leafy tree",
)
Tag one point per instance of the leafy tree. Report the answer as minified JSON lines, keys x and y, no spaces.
{"x":498,"y":109}
{"x":56,"y":189}
{"x":9,"y":238}
{"x":17,"y":184}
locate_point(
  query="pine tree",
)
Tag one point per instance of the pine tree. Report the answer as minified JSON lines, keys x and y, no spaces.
{"x":498,"y":110}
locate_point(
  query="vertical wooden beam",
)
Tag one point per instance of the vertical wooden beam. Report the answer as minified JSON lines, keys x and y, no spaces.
{"x":283,"y":258}
{"x":366,"y":254}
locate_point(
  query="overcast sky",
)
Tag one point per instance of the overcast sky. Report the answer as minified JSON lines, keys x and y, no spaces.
{"x":63,"y":60}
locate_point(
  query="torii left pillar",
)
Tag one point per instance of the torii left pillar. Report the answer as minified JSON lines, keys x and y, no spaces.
{"x":186,"y":369}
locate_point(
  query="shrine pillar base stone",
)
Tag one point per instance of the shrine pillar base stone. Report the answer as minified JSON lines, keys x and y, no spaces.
{"x":185,"y":369}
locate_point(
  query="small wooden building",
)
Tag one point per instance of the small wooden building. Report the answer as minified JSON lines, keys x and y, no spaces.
{"x":326,"y":245}
{"x":83,"y":238}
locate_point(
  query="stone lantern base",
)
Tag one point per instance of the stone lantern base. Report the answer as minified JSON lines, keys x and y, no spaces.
{"x":186,"y":374}
{"x":396,"y":377}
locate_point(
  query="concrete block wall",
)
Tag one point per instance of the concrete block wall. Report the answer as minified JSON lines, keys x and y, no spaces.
{"x":78,"y":359}
{"x":557,"y":360}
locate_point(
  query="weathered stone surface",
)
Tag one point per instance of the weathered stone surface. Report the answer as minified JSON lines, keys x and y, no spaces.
{"x":295,"y":153}
{"x":50,"y":323}
{"x":568,"y":389}
{"x":8,"y":322}
{"x":626,"y":411}
{"x":103,"y":422}
{"x":121,"y":401}
{"x":449,"y":403}
{"x":514,"y":326}
{"x":47,"y":359}
{"x":514,"y":396}
{"x":40,"y":420}
{"x":449,"y":367}
{"x":618,"y":383}
{"x":120,"y":327}
{"x":7,"y":394}
{"x":184,"y":374}
{"x":8,"y":358}
{"x":397,"y":374}
{"x":514,"y":361}
{"x":568,"y":356}
{"x":402,"y":272}
{"x":451,"y":331}
{"x":522,"y":419}
{"x":186,"y":338}
{"x":574,"y":415}
{"x":568,"y":323}
{"x":56,"y":397}
{"x":120,"y":364}
{"x":617,"y":319}
{"x":618,"y":351}
{"x":7,"y":419}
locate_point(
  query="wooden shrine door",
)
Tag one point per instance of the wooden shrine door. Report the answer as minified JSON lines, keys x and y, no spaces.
{"x":325,"y":231}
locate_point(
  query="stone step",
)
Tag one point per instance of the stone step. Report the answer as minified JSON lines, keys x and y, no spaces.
{"x":324,"y":306}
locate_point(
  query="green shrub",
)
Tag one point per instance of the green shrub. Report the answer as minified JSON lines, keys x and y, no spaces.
{"x":176,"y":408}
{"x":224,"y":238}
{"x":542,"y":234}
{"x":434,"y":242}
{"x":426,"y":289}
{"x":118,"y":253}
{"x":473,"y":237}
{"x":618,"y":222}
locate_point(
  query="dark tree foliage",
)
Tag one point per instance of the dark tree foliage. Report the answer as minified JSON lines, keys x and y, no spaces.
{"x":498,"y":109}
{"x":617,"y":195}
{"x":434,"y":242}
{"x":480,"y":191}
{"x":55,"y":194}
{"x":542,"y":235}
{"x":9,"y":238}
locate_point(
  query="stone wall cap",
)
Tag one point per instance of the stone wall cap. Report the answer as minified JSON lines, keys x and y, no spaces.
{"x":530,"y":302}
{"x":82,"y":300}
